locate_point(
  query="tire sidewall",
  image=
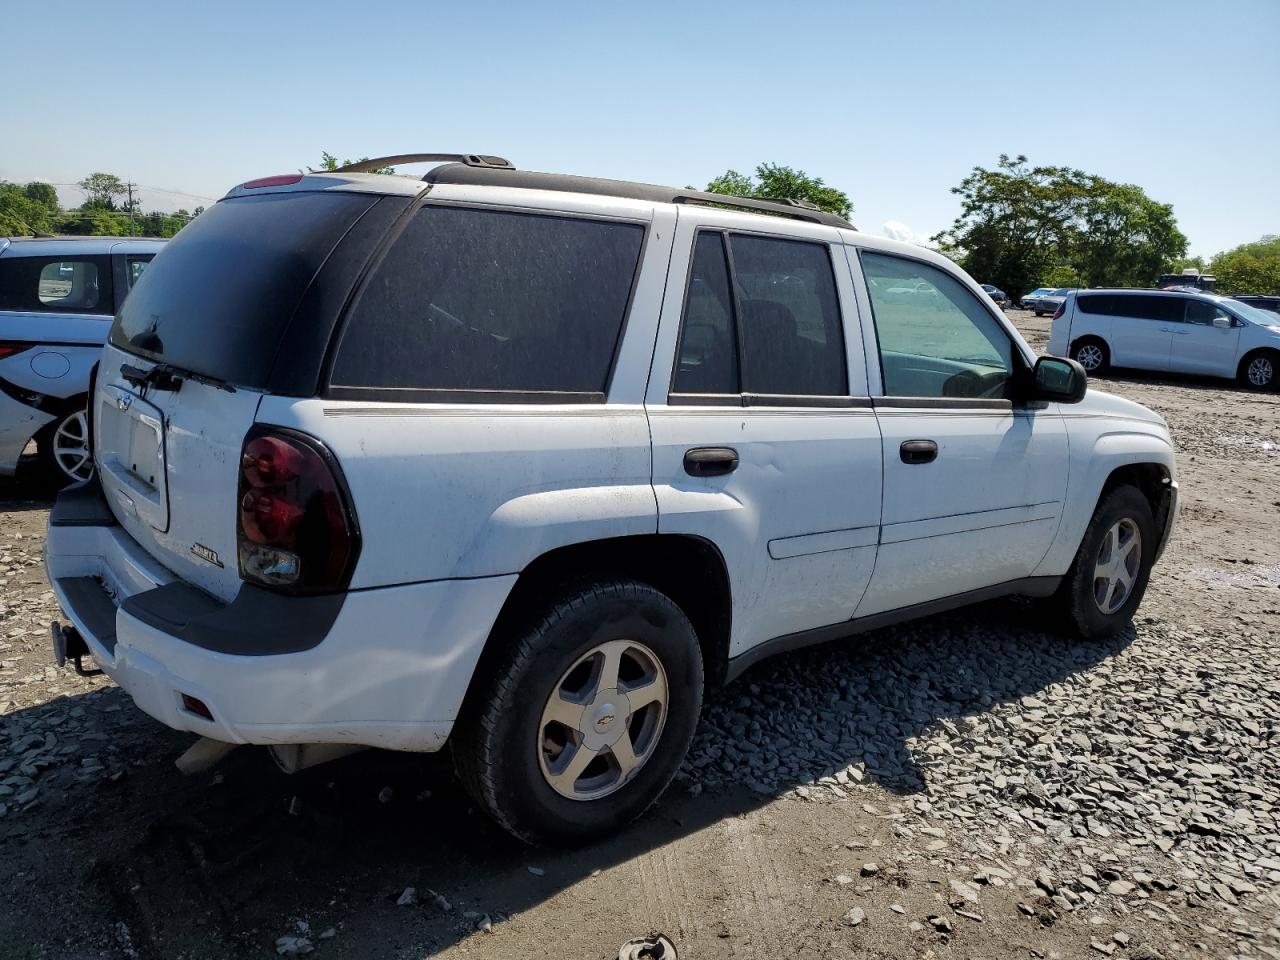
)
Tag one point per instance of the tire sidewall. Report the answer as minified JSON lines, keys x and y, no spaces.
{"x":592,"y":617}
{"x":1125,"y":502}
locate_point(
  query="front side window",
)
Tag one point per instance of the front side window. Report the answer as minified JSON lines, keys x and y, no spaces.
{"x":761,"y":318}
{"x":1202,"y":312}
{"x":56,"y":285}
{"x":491,"y":301}
{"x":936,"y":339}
{"x":136,"y":266}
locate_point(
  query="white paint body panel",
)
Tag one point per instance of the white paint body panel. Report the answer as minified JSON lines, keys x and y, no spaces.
{"x":820,"y":521}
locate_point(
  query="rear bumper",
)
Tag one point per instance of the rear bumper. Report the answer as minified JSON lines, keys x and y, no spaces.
{"x":390,"y":669}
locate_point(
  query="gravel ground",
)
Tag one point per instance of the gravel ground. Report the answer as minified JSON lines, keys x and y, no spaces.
{"x":974,"y":785}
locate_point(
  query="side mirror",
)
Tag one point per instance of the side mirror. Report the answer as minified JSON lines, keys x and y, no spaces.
{"x":1056,"y":378}
{"x":1223,"y":323}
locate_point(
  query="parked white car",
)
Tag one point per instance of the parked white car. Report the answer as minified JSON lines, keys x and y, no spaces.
{"x":523,"y":462}
{"x":1179,"y":332}
{"x":57,"y":299}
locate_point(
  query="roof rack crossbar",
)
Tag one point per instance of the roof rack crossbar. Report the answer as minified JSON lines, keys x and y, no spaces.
{"x":470,"y":159}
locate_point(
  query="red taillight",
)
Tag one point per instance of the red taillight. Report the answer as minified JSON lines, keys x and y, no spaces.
{"x":1057,"y":313}
{"x":9,"y":349}
{"x":279,"y":180}
{"x":295,"y":528}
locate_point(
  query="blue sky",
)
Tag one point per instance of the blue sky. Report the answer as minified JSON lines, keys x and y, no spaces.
{"x":892,"y":102}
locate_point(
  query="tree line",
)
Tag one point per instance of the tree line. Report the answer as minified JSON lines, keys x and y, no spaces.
{"x":1020,"y":226}
{"x":110,"y":209}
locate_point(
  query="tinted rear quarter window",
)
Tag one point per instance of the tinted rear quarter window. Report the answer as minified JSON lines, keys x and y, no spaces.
{"x":492,"y":303}
{"x":219,"y":297}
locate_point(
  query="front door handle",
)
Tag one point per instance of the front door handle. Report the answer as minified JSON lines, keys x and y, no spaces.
{"x":918,"y":451}
{"x":710,"y":461}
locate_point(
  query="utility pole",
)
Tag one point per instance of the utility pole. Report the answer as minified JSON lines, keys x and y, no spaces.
{"x":130,"y":203}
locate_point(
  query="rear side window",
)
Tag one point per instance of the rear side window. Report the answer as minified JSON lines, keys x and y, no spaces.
{"x":490,"y":302}
{"x":56,"y":284}
{"x":220,"y":296}
{"x":761,"y":318}
{"x":792,"y":343}
{"x":1165,"y":309}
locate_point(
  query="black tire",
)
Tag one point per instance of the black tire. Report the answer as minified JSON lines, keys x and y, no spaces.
{"x":53,"y":467}
{"x":1078,"y":347}
{"x":499,"y":742}
{"x":1268,"y":362}
{"x":1078,"y":594}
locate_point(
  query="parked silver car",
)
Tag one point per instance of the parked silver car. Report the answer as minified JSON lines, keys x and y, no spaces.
{"x":57,"y":300}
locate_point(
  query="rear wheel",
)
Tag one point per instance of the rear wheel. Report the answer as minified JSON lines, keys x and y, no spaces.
{"x":64,"y":448}
{"x":584,"y":720}
{"x":1260,"y":370}
{"x":1092,"y":354}
{"x":1109,"y":576}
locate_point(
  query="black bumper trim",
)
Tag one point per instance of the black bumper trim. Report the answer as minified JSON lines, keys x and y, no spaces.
{"x":93,"y":606}
{"x":82,"y":505}
{"x":257,"y":623}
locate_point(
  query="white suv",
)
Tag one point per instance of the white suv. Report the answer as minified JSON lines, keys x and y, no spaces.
{"x":1179,"y":332}
{"x":522,"y":462}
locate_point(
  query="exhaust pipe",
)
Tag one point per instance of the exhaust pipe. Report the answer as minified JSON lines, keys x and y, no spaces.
{"x":202,"y":755}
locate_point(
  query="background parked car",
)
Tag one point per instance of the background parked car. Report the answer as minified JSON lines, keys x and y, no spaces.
{"x":1166,"y":331}
{"x":1050,"y":302}
{"x":57,"y":300}
{"x":999,"y":296}
{"x":1260,"y":302}
{"x":1029,"y":301}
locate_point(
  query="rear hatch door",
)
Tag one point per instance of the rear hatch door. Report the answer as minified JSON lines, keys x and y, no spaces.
{"x":200,"y":339}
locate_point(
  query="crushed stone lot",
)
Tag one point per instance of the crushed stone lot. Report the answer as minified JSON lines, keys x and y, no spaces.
{"x":974,"y":785}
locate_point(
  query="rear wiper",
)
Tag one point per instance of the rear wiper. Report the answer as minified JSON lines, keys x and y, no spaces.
{"x":164,"y":376}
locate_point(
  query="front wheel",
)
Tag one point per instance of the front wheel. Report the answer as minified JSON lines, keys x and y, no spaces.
{"x":64,"y":448}
{"x":582,"y":721}
{"x":1109,"y":576}
{"x":1261,"y":370}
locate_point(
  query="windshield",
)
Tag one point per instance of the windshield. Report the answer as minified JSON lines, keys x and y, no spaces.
{"x":218,"y":299}
{"x":1254,"y":314}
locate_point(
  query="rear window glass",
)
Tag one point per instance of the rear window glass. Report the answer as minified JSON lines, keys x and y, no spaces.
{"x":56,"y":284}
{"x":492,"y":302}
{"x":218,"y":299}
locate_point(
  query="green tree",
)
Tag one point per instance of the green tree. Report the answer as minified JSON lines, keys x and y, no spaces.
{"x":1250,"y":267}
{"x":30,"y":210}
{"x":1062,"y":276}
{"x":775,"y":182}
{"x":101,"y":190}
{"x":1018,"y":222}
{"x":1178,"y":264}
{"x":330,"y":163}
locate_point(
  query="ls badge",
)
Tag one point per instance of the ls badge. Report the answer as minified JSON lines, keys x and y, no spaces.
{"x":204,"y":553}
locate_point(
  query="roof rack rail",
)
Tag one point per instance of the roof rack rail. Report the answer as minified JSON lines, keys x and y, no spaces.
{"x":469,"y":174}
{"x":470,"y":159}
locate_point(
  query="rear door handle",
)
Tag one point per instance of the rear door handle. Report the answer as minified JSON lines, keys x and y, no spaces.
{"x":918,"y":451}
{"x":710,"y":461}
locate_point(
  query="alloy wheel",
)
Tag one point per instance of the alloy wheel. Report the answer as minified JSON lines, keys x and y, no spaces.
{"x":71,"y":447}
{"x":1260,"y":371}
{"x":1116,"y":570}
{"x":1089,"y":356}
{"x":603,"y":720}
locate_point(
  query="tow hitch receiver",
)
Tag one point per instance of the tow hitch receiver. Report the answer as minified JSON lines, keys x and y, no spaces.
{"x":69,"y":645}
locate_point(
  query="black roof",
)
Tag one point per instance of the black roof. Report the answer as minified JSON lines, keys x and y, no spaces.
{"x":490,"y":171}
